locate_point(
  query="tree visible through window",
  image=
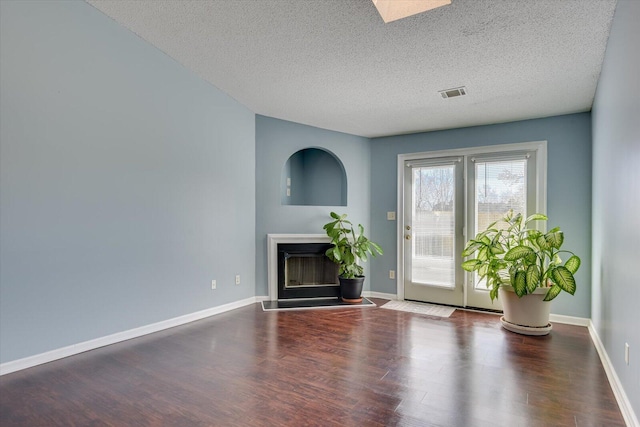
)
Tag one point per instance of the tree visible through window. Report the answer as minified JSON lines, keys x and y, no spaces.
{"x":500,"y":186}
{"x":434,"y":188}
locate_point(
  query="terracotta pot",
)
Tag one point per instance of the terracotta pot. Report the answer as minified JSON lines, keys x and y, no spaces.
{"x":351,"y":289}
{"x":528,"y":315}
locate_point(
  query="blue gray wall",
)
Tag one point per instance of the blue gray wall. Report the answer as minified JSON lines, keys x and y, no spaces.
{"x":568,"y":189}
{"x":276,"y":141}
{"x":127,"y":183}
{"x":616,"y":198}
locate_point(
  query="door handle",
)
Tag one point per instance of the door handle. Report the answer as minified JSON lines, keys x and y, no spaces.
{"x":407,"y":236}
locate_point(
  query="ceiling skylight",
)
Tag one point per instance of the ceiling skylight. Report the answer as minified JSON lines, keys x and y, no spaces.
{"x":392,"y":10}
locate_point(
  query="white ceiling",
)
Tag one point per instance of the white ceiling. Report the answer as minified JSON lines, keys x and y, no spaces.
{"x":336,"y":65}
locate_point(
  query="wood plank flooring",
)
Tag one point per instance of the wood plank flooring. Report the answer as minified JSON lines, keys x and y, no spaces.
{"x":340,"y":367}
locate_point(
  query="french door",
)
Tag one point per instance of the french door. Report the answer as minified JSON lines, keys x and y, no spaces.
{"x":446,"y":199}
{"x":433,"y":211}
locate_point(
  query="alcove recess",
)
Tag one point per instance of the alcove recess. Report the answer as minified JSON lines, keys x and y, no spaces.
{"x":313,"y":177}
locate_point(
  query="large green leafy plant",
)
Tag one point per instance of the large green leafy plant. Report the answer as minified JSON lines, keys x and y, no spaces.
{"x":512,"y":252}
{"x":348,"y":246}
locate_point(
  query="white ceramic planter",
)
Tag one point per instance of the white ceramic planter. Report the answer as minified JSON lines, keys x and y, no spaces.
{"x":528,"y":315}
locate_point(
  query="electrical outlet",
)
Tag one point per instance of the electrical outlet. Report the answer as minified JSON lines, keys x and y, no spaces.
{"x":626,"y":353}
{"x":237,"y":279}
{"x":288,"y":192}
{"x":213,"y":284}
{"x":392,"y":274}
{"x":391,"y":216}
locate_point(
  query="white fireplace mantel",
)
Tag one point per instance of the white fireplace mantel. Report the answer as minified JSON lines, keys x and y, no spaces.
{"x":272,"y":255}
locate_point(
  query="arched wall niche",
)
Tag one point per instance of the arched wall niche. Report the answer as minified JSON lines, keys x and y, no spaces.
{"x":313,"y":177}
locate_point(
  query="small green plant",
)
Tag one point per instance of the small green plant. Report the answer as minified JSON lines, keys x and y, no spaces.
{"x":521,"y":256}
{"x":348,"y":246}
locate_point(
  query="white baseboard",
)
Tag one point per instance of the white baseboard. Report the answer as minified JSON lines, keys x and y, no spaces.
{"x":60,"y":353}
{"x":569,"y":320}
{"x":621,"y":397}
{"x":372,"y":294}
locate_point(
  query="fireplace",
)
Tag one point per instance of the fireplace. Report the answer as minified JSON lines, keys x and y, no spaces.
{"x":298,"y":268}
{"x":304,"y":271}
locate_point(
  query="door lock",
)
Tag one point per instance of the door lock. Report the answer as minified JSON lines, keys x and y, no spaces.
{"x":407,"y":236}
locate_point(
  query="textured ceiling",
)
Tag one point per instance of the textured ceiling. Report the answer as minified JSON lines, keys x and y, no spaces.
{"x":336,"y":65}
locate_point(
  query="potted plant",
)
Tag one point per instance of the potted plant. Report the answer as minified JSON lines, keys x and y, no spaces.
{"x":523,"y":266}
{"x":348,"y":249}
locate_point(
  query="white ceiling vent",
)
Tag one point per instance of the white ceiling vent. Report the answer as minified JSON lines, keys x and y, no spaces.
{"x":452,"y":93}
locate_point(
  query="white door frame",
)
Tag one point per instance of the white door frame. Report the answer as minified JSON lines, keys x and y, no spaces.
{"x":541,"y":188}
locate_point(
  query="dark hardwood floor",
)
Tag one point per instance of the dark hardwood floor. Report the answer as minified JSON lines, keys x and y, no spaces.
{"x":339,"y":367}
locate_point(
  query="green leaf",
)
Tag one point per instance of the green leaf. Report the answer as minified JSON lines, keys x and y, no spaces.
{"x":490,"y":226}
{"x":536,"y":217}
{"x":517,"y":219}
{"x":497,"y":249}
{"x":518,"y":252}
{"x":552,"y":292}
{"x":334,"y":215}
{"x":336,"y":253}
{"x":508,"y":215}
{"x":471,"y":265}
{"x":532,"y":278}
{"x":531,"y":258}
{"x":572,"y":264}
{"x":542,"y":242}
{"x":483,"y":270}
{"x":519,"y":284}
{"x":555,"y":239}
{"x":493,"y":293}
{"x":533,"y":235}
{"x":471,"y":248}
{"x":329,"y":253}
{"x":564,"y":279}
{"x":377,"y":248}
